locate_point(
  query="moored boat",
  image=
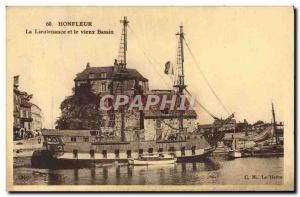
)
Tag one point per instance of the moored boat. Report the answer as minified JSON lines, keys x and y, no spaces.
{"x":121,"y":136}
{"x":73,"y":148}
{"x":233,"y":154}
{"x":153,"y":159}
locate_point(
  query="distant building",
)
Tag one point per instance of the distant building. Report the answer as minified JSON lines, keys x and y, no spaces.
{"x":22,"y":111}
{"x":260,"y":125}
{"x":17,"y":105}
{"x":228,"y":127}
{"x":101,"y":79}
{"x":22,"y":107}
{"x":36,"y":115}
{"x":25,"y":111}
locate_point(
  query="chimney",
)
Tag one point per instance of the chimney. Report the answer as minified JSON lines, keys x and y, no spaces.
{"x":116,"y":66}
{"x":88,"y":65}
{"x":116,"y":62}
{"x":16,"y":81}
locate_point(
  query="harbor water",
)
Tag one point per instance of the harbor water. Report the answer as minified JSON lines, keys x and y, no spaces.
{"x":212,"y":171}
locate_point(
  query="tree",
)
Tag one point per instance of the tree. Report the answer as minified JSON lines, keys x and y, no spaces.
{"x":80,"y":110}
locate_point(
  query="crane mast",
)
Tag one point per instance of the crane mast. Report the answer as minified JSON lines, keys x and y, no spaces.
{"x":179,"y":83}
{"x":123,"y":45}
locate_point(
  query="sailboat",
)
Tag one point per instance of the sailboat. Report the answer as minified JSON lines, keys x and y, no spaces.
{"x":117,"y":142}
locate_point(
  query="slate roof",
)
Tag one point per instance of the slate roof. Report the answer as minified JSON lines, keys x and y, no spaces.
{"x":109,"y":70}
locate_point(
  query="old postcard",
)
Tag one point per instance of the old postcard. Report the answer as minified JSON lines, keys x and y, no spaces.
{"x":150,"y":98}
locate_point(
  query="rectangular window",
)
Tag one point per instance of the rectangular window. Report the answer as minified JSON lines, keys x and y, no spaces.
{"x":128,"y":153}
{"x":75,"y":153}
{"x":172,"y":149}
{"x":92,"y":153}
{"x":117,"y":153}
{"x":91,"y":75}
{"x":104,"y":153}
{"x":86,"y":139}
{"x":193,"y":150}
{"x":182,"y":151}
{"x":150,"y":150}
{"x":160,"y":150}
{"x":73,"y":139}
{"x":103,"y":75}
{"x":140,"y":151}
{"x":103,"y":87}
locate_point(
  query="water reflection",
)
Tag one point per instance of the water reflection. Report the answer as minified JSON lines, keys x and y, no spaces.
{"x":211,"y":164}
{"x":194,"y":167}
{"x":183,"y":167}
{"x":76,"y":176}
{"x":210,"y":171}
{"x":105,"y":175}
{"x":129,"y":172}
{"x":93,"y":175}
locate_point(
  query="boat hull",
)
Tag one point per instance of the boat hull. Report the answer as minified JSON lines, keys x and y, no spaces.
{"x":234,"y":154}
{"x":158,"y":162}
{"x":197,"y":157}
{"x":64,"y":153}
{"x":46,"y":159}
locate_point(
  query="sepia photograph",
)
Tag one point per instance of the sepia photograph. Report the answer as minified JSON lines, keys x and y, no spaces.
{"x":150,"y":98}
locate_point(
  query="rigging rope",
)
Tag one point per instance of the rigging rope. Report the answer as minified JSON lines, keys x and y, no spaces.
{"x":148,"y":59}
{"x":206,"y":80}
{"x":153,"y":65}
{"x":206,"y":110}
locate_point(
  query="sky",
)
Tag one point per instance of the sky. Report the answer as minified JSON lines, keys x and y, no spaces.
{"x":246,"y":54}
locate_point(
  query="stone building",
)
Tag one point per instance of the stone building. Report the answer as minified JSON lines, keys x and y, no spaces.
{"x":161,"y":124}
{"x":101,"y":79}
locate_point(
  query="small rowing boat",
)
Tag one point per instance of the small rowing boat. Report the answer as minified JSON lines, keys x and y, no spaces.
{"x":153,"y":159}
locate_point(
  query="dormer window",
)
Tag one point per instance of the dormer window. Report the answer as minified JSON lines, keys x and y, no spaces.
{"x":91,"y":75}
{"x":103,"y":75}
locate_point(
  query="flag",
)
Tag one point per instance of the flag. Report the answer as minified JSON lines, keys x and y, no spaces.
{"x":169,"y":68}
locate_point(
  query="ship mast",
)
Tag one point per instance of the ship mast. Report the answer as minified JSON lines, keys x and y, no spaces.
{"x":179,"y":83}
{"x":122,"y":67}
{"x":123,"y":45}
{"x":274,"y":124}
